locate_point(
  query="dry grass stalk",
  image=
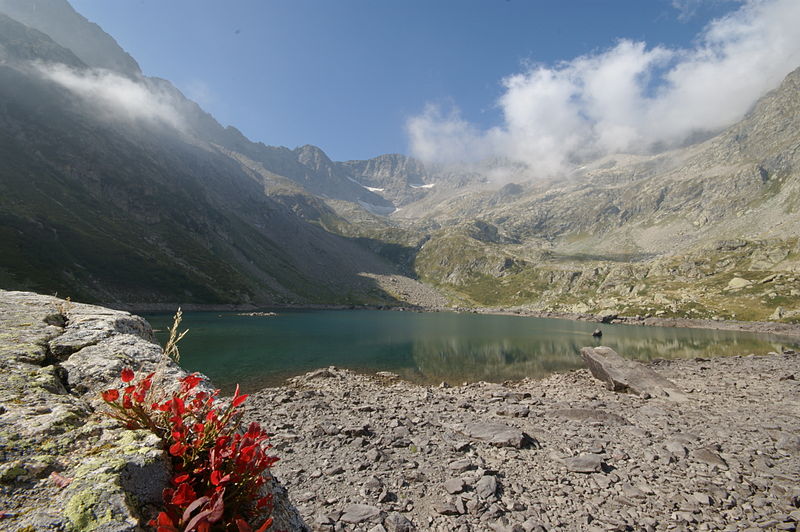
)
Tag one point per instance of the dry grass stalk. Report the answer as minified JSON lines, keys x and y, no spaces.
{"x":171,"y":347}
{"x":170,"y":354}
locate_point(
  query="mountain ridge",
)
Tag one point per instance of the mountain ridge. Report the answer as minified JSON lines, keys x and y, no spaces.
{"x":673,"y":233}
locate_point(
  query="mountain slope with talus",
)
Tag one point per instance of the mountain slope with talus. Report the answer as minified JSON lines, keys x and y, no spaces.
{"x":693,"y":231}
{"x":107,"y":204}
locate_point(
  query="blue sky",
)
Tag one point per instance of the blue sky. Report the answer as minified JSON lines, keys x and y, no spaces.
{"x":351,"y":75}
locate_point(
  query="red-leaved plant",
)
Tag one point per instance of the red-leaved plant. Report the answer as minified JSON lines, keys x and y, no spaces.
{"x":218,"y":469}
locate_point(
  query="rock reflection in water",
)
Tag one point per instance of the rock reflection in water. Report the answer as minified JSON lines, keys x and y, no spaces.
{"x":456,"y":360}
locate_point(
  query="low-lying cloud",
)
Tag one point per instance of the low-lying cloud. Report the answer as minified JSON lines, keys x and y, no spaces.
{"x":119,"y":97}
{"x":629,"y":98}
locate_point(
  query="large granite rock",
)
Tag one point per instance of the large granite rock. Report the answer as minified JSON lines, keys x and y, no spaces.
{"x":623,"y":375}
{"x":64,"y":465}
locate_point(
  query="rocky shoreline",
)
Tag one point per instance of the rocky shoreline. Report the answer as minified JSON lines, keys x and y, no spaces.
{"x":769,"y":327}
{"x":375,"y":453}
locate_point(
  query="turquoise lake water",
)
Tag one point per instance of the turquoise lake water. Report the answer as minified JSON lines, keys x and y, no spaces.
{"x":258,"y":351}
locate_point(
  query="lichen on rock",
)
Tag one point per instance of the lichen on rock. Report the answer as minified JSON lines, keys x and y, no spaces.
{"x":55,"y":359}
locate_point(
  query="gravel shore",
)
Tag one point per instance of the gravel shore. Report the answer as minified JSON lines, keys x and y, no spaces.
{"x":564,"y":453}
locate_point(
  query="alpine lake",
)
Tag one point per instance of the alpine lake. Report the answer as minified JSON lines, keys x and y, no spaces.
{"x":426,"y":348}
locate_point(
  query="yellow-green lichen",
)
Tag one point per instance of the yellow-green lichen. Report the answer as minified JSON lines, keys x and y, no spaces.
{"x":11,"y":473}
{"x":80,"y":511}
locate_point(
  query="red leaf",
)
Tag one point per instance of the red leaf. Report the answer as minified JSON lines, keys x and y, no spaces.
{"x":110,"y":395}
{"x":246,"y":454}
{"x":243,"y":526}
{"x":196,"y":523}
{"x":178,"y":406}
{"x":265,"y":526}
{"x":191,"y":380}
{"x":192,"y":507}
{"x":183,"y":495}
{"x":127,"y":375}
{"x":163,"y":523}
{"x":239,"y":400}
{"x":180,"y":478}
{"x":217,"y":478}
{"x":177,"y":449}
{"x":263,"y":501}
{"x":60,"y":480}
{"x":218,"y":506}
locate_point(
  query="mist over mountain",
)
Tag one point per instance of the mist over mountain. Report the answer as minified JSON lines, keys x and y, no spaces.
{"x":630,"y":97}
{"x":116,"y":187}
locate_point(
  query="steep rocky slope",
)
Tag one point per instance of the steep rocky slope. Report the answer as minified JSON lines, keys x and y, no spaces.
{"x":123,"y":209}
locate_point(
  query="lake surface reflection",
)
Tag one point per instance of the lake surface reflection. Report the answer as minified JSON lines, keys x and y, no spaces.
{"x":425,"y":347}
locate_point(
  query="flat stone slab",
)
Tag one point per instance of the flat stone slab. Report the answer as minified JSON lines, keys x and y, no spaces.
{"x":709,"y":457}
{"x":497,"y":434}
{"x":454,"y":485}
{"x":585,"y":463}
{"x":590,"y":415}
{"x":359,"y":513}
{"x":623,"y":375}
{"x":486,"y":487}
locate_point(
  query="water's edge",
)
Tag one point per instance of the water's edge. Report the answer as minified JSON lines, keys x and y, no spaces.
{"x":771,"y":327}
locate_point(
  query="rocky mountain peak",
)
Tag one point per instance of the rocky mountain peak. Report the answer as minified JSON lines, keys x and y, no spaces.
{"x":388,"y":169}
{"x":313,"y":157}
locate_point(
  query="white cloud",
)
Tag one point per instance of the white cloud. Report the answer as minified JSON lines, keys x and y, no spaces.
{"x":628,"y":98}
{"x":446,"y":137}
{"x":118,"y":96}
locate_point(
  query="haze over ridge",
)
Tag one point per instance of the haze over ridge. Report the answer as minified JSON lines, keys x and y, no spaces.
{"x":631,"y":97}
